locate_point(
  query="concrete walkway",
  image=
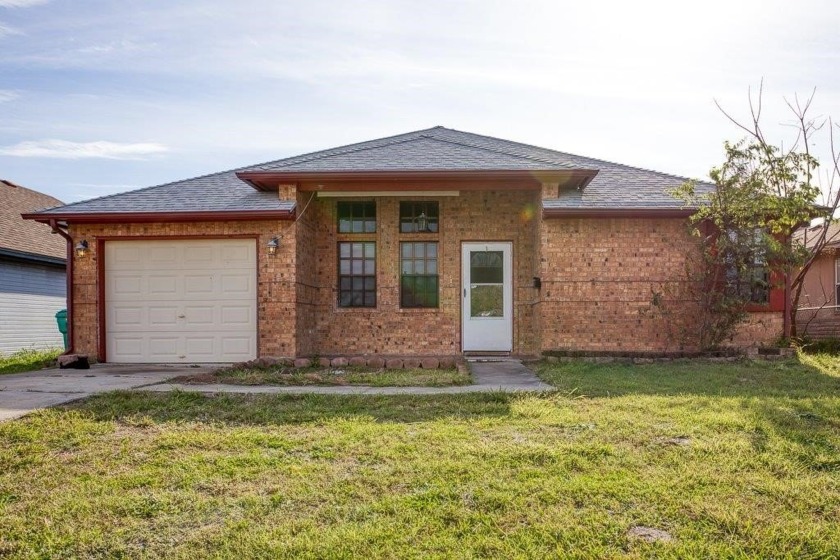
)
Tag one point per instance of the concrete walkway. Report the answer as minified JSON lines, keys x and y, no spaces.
{"x":507,"y":375}
{"x":21,"y":393}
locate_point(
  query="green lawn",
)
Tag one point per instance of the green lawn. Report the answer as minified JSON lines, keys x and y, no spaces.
{"x":733,"y":460}
{"x":28,"y":360}
{"x":279,"y":375}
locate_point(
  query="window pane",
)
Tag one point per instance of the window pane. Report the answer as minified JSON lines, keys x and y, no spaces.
{"x":356,"y":217}
{"x":418,"y":282}
{"x":357,"y":282}
{"x":486,"y":267}
{"x":486,"y":301}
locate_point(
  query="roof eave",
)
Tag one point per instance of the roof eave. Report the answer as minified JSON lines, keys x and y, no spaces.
{"x":148,"y":217}
{"x":320,"y":180}
{"x":639,"y":212}
{"x":32,"y":257}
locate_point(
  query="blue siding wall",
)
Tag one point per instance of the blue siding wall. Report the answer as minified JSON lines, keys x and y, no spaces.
{"x":30,"y":296}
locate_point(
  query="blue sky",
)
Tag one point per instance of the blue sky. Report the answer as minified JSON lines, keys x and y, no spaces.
{"x":101,"y":97}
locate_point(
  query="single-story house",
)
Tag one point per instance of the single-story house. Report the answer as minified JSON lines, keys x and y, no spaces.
{"x":818,"y":311}
{"x":33,"y":283}
{"x":435,"y":242}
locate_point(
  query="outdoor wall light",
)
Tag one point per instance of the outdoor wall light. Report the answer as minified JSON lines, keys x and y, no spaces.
{"x":81,"y":248}
{"x":422,"y":222}
{"x":272,"y":245}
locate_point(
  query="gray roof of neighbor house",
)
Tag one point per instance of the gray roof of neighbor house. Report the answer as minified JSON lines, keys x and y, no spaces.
{"x":436,"y":149}
{"x":23,"y":238}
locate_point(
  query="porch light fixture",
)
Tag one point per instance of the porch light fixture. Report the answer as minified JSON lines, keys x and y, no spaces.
{"x":272,"y":245}
{"x":81,"y":248}
{"x":422,"y":222}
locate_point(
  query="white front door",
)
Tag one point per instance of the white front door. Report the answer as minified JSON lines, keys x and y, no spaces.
{"x":487,"y":308}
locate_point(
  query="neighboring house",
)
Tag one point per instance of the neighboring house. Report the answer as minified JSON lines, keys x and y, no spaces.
{"x":32,"y":277}
{"x":434,"y":242}
{"x":817,"y":313}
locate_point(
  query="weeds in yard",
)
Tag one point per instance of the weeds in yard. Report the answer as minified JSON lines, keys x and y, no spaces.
{"x":28,"y":359}
{"x":282,"y":375}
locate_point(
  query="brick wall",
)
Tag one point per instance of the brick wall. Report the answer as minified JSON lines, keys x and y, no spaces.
{"x":388,"y":329}
{"x":598,"y":280}
{"x":601,"y":276}
{"x":276,"y":278}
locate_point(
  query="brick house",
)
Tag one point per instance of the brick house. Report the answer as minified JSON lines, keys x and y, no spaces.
{"x":435,"y":242}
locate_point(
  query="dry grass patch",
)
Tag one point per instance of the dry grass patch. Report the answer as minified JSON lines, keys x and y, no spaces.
{"x":281,"y":375}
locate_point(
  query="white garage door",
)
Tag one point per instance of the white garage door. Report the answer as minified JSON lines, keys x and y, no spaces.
{"x":181,"y":301}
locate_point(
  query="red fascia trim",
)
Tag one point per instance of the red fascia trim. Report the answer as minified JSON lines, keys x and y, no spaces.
{"x":617,"y":212}
{"x":148,"y":217}
{"x":336,"y":180}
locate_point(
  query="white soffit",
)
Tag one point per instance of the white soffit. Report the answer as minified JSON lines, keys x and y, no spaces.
{"x":368,"y":194}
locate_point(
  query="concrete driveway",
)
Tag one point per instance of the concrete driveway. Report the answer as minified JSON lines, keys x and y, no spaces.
{"x":21,"y":393}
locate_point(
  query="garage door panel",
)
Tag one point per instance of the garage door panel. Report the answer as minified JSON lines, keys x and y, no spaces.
{"x":238,"y":346}
{"x":198,"y":256}
{"x":237,"y":315}
{"x":162,"y":285}
{"x":202,"y":348}
{"x":128,"y":346}
{"x":234,"y":285}
{"x":162,"y":316}
{"x":237,"y":256}
{"x":180,"y":301}
{"x":125,"y":283}
{"x":163,"y":255}
{"x":195,"y":315}
{"x":198,"y":285}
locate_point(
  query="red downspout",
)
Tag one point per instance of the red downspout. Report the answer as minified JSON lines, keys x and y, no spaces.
{"x":69,"y":273}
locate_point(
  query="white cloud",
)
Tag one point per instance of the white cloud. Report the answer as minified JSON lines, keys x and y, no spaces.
{"x":8,"y":95}
{"x":64,"y":149}
{"x":21,"y":3}
{"x":5,"y":30}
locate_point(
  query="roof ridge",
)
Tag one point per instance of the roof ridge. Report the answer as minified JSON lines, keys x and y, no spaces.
{"x":569,"y":154}
{"x":346,"y":148}
{"x":340,"y":152}
{"x":495,"y":151}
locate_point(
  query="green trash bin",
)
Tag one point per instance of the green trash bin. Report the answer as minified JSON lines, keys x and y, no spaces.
{"x":61,"y":319}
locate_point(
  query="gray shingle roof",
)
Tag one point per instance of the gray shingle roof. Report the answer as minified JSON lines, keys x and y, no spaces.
{"x":219,"y":192}
{"x":436,"y":149}
{"x":22,"y":236}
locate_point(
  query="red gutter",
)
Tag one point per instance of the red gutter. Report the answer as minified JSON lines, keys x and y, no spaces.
{"x":147,"y":217}
{"x":268,"y":180}
{"x":69,"y":279}
{"x":617,"y":212}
